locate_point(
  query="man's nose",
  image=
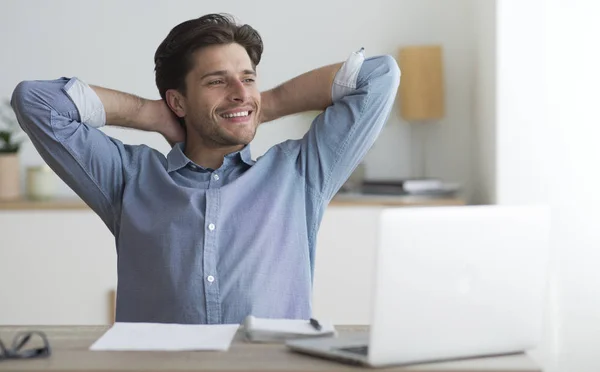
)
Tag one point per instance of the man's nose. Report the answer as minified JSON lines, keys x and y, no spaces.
{"x":238,"y":92}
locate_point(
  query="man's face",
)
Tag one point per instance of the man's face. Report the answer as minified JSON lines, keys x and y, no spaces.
{"x":222,"y":101}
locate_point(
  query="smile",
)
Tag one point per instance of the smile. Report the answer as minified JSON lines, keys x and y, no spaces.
{"x":236,"y":115}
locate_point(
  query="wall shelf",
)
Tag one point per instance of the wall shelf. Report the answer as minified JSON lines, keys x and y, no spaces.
{"x":54,"y":204}
{"x":354,"y":200}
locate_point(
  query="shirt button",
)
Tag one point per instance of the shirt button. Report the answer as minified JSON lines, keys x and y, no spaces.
{"x":216,"y":177}
{"x":210,"y":278}
{"x":211,"y":227}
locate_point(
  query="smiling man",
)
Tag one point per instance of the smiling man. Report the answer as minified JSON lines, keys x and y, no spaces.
{"x":206,"y":234}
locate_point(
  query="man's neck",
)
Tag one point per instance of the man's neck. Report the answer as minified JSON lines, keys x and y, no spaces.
{"x":208,"y":155}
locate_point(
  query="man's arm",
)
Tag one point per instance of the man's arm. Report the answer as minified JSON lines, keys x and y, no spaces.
{"x":130,"y":111}
{"x":310,"y":91}
{"x":61,"y":116}
{"x":357,"y":97}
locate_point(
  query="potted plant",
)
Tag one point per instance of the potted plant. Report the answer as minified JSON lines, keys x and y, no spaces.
{"x":10,"y":175}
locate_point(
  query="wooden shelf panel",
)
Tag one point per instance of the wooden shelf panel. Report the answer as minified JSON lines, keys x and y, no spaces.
{"x":339,"y":200}
{"x":54,"y":204}
{"x":392,"y":201}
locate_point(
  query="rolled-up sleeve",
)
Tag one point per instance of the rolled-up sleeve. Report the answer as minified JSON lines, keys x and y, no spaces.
{"x":61,"y":119}
{"x":363,"y":94}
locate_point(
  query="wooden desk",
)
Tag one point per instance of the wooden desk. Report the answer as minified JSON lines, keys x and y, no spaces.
{"x":70,"y":352}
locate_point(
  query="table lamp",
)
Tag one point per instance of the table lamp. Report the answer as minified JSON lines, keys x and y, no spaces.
{"x":421,"y":94}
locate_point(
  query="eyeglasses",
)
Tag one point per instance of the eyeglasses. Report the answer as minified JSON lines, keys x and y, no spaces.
{"x":20,"y":349}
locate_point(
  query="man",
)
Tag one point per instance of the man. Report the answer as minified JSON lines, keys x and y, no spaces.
{"x":206,"y":234}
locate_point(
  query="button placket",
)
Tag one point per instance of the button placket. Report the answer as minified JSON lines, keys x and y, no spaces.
{"x":211,"y":287}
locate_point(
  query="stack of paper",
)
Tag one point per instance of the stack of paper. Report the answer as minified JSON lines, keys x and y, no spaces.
{"x":165,"y":336}
{"x":279,"y":330}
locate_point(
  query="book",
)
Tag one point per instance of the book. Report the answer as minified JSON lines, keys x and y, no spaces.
{"x":424,"y":186}
{"x":407,"y":183}
{"x":279,"y":330}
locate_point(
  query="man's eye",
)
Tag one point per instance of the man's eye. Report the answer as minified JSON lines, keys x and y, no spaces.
{"x":215,"y":82}
{"x":249,"y":80}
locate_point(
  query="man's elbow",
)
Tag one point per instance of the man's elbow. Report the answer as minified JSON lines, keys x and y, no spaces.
{"x":382,"y":74}
{"x":37,"y":97}
{"x":391,"y":71}
{"x":33,"y":100}
{"x":25,"y":95}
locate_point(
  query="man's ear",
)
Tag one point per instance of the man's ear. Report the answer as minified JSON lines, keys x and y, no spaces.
{"x":176,"y":102}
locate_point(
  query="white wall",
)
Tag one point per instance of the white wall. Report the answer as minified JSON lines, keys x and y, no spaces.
{"x":483,"y":145}
{"x":112,"y":43}
{"x":553,"y":157}
{"x":521,"y":133}
{"x":573,"y":77}
{"x":521,"y":129}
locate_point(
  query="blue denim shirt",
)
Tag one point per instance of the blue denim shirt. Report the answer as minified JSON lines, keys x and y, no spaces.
{"x":198,"y":245}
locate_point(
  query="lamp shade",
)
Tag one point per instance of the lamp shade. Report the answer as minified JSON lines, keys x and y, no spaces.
{"x":422,"y":83}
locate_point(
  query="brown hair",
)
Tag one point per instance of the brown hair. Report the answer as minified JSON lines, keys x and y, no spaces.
{"x":173,"y":58}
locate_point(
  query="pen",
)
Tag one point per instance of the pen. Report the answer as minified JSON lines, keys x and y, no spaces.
{"x":315,"y":324}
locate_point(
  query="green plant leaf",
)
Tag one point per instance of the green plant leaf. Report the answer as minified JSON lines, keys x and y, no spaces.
{"x":9,"y":129}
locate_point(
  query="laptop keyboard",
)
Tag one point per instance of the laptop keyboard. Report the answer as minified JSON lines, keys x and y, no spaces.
{"x":361,"y":350}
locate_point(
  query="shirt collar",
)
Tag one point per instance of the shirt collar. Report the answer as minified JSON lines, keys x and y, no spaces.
{"x":245,"y":155}
{"x":176,"y":159}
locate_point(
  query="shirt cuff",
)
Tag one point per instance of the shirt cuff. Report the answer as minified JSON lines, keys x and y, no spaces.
{"x":91,"y":109}
{"x":346,"y":78}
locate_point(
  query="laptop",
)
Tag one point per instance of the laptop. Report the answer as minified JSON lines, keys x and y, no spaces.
{"x":450,"y":283}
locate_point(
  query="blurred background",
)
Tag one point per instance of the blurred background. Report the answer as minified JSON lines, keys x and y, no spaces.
{"x":112,"y":43}
{"x":515,"y":124}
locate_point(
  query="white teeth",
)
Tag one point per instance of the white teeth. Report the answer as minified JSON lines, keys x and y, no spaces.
{"x":237,"y":114}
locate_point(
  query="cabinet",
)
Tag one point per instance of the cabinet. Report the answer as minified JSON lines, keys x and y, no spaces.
{"x":58,"y":262}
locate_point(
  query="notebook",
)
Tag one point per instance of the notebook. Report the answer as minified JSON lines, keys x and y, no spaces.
{"x":279,"y":330}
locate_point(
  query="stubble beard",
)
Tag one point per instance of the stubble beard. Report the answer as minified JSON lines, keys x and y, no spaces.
{"x":219,"y":137}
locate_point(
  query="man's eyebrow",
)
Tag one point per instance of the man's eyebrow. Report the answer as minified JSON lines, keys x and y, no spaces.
{"x":224,"y":73}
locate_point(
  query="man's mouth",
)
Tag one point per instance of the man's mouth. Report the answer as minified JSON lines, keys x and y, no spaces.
{"x":239,"y":114}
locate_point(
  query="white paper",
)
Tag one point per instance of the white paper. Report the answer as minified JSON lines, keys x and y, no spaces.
{"x":163,"y":336}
